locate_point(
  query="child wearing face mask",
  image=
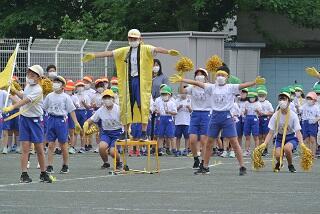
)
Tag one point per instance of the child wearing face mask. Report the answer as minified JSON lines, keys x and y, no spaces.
{"x":68,"y":89}
{"x":109,"y":115}
{"x":58,"y":105}
{"x":166,"y":108}
{"x":252,"y":111}
{"x":97,"y":99}
{"x":266,"y":112}
{"x":81,"y":111}
{"x":158,"y":78}
{"x":310,"y":115}
{"x":241,"y":103}
{"x":116,"y":94}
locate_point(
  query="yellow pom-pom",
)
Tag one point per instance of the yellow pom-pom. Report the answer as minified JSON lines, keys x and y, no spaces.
{"x":213,"y":63}
{"x":46,"y":85}
{"x":306,"y":161}
{"x":184,"y":64}
{"x":257,"y":160}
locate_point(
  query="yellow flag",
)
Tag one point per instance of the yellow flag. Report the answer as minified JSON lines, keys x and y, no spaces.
{"x":6,"y":74}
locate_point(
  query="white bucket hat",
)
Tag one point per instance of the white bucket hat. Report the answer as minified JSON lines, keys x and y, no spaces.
{"x":37,"y":69}
{"x":134,"y":33}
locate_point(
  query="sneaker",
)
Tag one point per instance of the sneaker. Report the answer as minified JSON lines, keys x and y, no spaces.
{"x":178,"y":153}
{"x":184,"y":152}
{"x":144,"y":137}
{"x":161,"y":152}
{"x":138,"y":153}
{"x":246,"y":153}
{"x":86,"y":147}
{"x":72,"y":150}
{"x":105,"y":165}
{"x":122,"y":137}
{"x":38,"y":166}
{"x":202,"y":171}
{"x":232,"y":154}
{"x":44,"y":177}
{"x":5,"y":150}
{"x":57,"y":151}
{"x":119,"y":165}
{"x":28,"y":165}
{"x":89,"y":147}
{"x":82,"y":150}
{"x":242,"y":171}
{"x":50,"y":169}
{"x":291,"y":168}
{"x":224,"y":154}
{"x":131,"y":153}
{"x":201,"y":164}
{"x":64,"y":169}
{"x":168,"y":152}
{"x":196,"y":163}
{"x":13,"y":148}
{"x":96,"y":150}
{"x":24,"y":178}
{"x":277,"y":167}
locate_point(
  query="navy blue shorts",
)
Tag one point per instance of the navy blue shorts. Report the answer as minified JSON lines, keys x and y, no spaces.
{"x":81,"y":116}
{"x":309,"y":130}
{"x":251,"y":125}
{"x":135,"y":91}
{"x":57,"y":129}
{"x":290,"y":138}
{"x":136,"y":130}
{"x":263,"y":125}
{"x":12,"y":124}
{"x":166,"y":126}
{"x":110,"y":137}
{"x":239,"y":126}
{"x":222,"y":121}
{"x":71,"y":124}
{"x":156,"y":125}
{"x":199,"y":122}
{"x":1,"y":126}
{"x":31,"y":129}
{"x":182,"y":130}
{"x":89,"y":113}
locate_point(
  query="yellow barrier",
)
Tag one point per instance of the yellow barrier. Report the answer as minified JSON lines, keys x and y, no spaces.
{"x":148,"y":169}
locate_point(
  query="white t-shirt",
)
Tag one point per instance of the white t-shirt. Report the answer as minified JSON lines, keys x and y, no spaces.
{"x":75,"y":100}
{"x":200,"y":100}
{"x":266,"y":107}
{"x":33,"y":92}
{"x":58,"y":104}
{"x":293,"y":125}
{"x":251,"y":108}
{"x":222,"y":97}
{"x":310,"y":113}
{"x":97,"y":99}
{"x":162,"y":106}
{"x":183,"y":115}
{"x":110,"y":119}
{"x":242,"y":107}
{"x":83,"y":98}
{"x":134,"y":62}
{"x":90,"y":93}
{"x":235,"y":112}
{"x":292,"y":107}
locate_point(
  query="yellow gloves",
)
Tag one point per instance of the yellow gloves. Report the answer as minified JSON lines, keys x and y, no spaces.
{"x":85,"y":127}
{"x":88,"y":57}
{"x":77,"y":128}
{"x":260,"y":81}
{"x":173,"y":52}
{"x":7,"y":109}
{"x":92,"y":129}
{"x":175,"y":78}
{"x":312,"y":72}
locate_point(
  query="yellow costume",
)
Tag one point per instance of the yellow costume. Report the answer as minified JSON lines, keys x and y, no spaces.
{"x":145,"y":74}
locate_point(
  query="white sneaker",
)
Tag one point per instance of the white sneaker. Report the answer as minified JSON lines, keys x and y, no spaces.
{"x":5,"y":150}
{"x":82,"y":150}
{"x":28,"y":165}
{"x":246,"y":153}
{"x":232,"y":154}
{"x":96,"y":150}
{"x":72,"y":150}
{"x":38,"y":166}
{"x":224,"y":154}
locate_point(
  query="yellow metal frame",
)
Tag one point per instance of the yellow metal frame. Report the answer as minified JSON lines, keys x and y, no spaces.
{"x":148,"y":169}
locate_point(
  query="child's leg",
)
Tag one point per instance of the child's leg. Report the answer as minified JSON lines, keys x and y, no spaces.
{"x":65,"y":153}
{"x":247,"y":147}
{"x":41,"y":157}
{"x":225,"y":144}
{"x":313,"y":145}
{"x":112,"y":154}
{"x":288,"y":151}
{"x":178,"y":143}
{"x":25,"y":147}
{"x":203,"y":142}
{"x":160,"y":142}
{"x":207,"y":152}
{"x":237,"y":149}
{"x":256,"y":140}
{"x":51,"y":148}
{"x":72,"y":138}
{"x":82,"y":139}
{"x":103,"y":151}
{"x":5,"y":138}
{"x":173,"y":143}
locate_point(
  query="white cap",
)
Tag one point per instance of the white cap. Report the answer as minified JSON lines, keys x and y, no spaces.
{"x":203,"y":70}
{"x":37,"y":69}
{"x":134,"y":33}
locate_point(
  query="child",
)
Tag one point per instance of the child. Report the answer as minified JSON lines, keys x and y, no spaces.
{"x":310,"y":115}
{"x":166,"y":108}
{"x":266,"y":112}
{"x":182,"y":121}
{"x":222,"y":100}
{"x":279,"y":120}
{"x":88,"y":81}
{"x":241,"y":103}
{"x":58,"y":105}
{"x":30,"y":124}
{"x":200,"y":116}
{"x":81,"y":111}
{"x":109,"y":114}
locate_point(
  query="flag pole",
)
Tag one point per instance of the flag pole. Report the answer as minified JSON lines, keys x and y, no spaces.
{"x":14,"y":65}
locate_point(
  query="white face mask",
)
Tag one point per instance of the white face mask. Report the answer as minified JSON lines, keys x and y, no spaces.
{"x":30,"y":81}
{"x":261,"y":99}
{"x":108,"y":102}
{"x":56,"y":86}
{"x":156,"y":69}
{"x":221,"y":80}
{"x":310,"y":102}
{"x":298,"y":93}
{"x":200,"y":78}
{"x":100,"y":90}
{"x":68,"y":92}
{"x":52,"y":74}
{"x":283,"y":104}
{"x":87,"y":86}
{"x":165,"y":97}
{"x":252,"y":99}
{"x":80,"y":89}
{"x":134,"y":44}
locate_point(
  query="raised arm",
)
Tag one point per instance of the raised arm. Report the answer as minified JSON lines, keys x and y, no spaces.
{"x":166,"y":51}
{"x":177,"y":78}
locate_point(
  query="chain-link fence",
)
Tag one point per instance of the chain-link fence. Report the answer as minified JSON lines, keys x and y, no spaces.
{"x":65,"y":54}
